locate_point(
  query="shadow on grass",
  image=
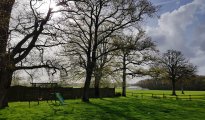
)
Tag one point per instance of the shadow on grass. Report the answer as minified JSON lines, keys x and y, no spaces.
{"x":141,"y":109}
{"x":122,"y":108}
{"x":118,"y":109}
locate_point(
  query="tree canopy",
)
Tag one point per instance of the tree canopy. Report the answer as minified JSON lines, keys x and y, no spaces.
{"x":175,"y":66}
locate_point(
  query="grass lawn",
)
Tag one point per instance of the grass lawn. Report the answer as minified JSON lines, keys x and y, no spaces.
{"x":188,"y":95}
{"x":178,"y":92}
{"x":119,"y":108}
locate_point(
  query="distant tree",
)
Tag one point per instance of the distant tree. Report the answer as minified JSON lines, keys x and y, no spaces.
{"x":176,"y":66}
{"x":187,"y":72}
{"x":134,"y":51}
{"x":192,"y":83}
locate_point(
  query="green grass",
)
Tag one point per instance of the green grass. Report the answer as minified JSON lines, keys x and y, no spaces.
{"x":194,"y":95}
{"x":163,"y":91}
{"x":120,"y":108}
{"x":170,"y":92}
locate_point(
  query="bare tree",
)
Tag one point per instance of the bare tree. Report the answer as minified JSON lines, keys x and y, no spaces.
{"x":176,"y":66}
{"x":135,"y":51}
{"x":27,"y":35}
{"x":186,"y":72}
{"x":96,"y":20}
{"x":103,"y":67}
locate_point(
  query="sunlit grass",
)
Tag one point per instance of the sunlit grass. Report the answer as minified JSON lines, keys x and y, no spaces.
{"x":119,"y":108}
{"x":189,"y":95}
{"x":178,"y":92}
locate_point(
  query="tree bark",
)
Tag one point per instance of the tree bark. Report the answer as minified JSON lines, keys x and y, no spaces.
{"x":124,"y":77}
{"x":89,"y":72}
{"x":173,"y":87}
{"x":97,"y":84}
{"x":97,"y":89}
{"x":5,"y":82}
{"x":6,"y":71}
{"x":5,"y":60}
{"x":5,"y":14}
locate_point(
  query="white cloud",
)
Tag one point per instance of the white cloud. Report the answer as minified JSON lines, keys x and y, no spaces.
{"x":183,"y":29}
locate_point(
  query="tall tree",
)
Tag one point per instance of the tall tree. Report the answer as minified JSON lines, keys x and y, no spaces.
{"x":98,"y":70}
{"x":134,"y":51}
{"x":96,"y":20}
{"x":103,"y":64}
{"x":176,"y":66}
{"x":5,"y":65}
{"x":186,"y":72}
{"x":29,"y":27}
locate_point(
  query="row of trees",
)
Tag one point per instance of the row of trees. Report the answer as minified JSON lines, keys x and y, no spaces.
{"x":91,"y":32}
{"x":193,"y":83}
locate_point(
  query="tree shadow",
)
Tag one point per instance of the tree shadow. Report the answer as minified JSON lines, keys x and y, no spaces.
{"x":113,"y":108}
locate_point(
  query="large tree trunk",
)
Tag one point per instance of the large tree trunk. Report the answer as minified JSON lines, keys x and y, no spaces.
{"x":173,"y":87}
{"x":124,"y":77}
{"x":5,"y":82}
{"x":5,"y":66}
{"x":89,"y":72}
{"x":6,"y":71}
{"x":5,"y":14}
{"x":97,"y":84}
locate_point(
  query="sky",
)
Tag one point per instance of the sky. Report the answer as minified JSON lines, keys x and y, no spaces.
{"x":180,"y":26}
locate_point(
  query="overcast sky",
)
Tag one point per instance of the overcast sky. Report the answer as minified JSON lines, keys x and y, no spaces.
{"x":181,"y":26}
